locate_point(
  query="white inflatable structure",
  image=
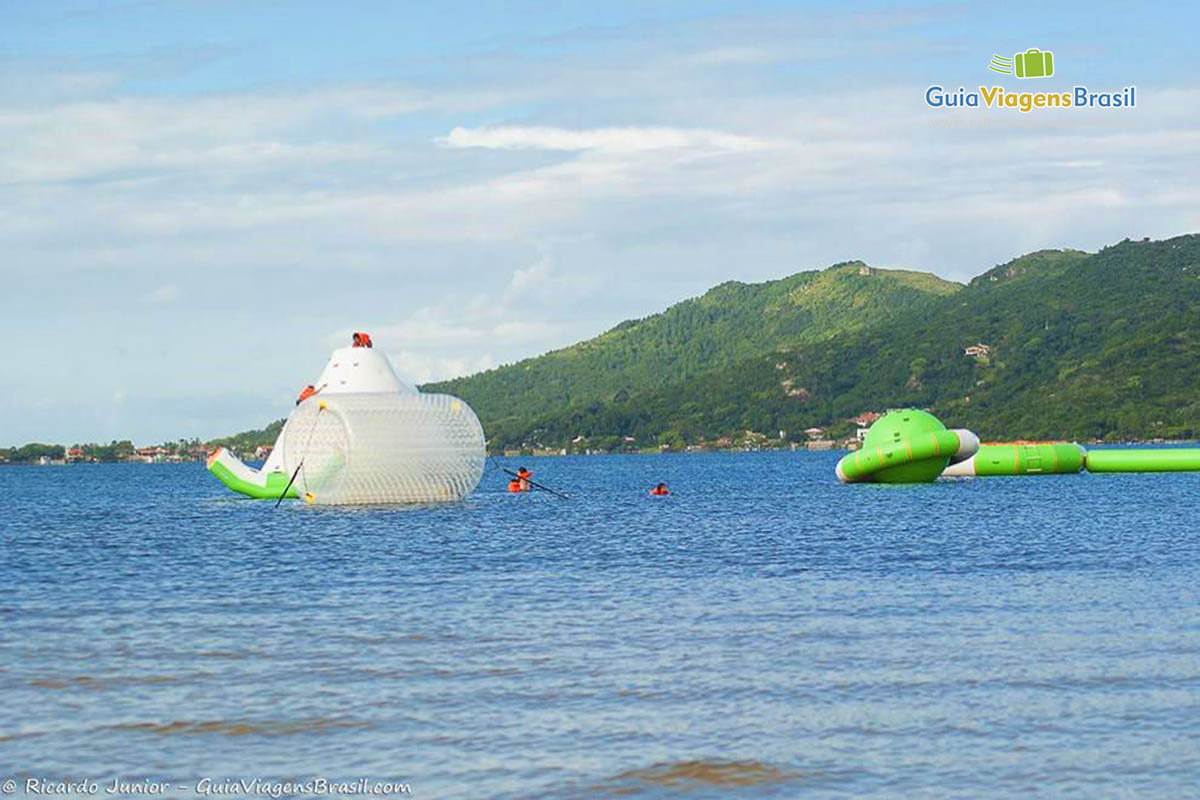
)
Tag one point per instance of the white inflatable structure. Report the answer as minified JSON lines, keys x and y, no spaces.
{"x":364,"y":436}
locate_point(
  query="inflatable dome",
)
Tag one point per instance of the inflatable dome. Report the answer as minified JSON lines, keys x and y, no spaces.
{"x":360,"y":435}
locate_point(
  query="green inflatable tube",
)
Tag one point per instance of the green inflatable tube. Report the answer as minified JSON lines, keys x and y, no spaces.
{"x":1021,"y":458}
{"x":1165,"y":459}
{"x":251,"y":482}
{"x":905,"y":446}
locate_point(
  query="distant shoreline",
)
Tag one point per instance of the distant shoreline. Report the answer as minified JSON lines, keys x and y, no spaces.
{"x":808,"y":447}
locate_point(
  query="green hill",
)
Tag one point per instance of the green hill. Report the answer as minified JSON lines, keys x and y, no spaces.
{"x":1080,"y":345}
{"x":728,"y":324}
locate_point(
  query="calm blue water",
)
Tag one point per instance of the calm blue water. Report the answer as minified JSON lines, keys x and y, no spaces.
{"x":764,"y":632}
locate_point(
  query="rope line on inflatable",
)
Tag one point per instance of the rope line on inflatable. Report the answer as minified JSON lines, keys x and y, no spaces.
{"x":299,"y":466}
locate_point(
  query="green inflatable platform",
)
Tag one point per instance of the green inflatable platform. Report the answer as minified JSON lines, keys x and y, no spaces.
{"x":1159,"y":459}
{"x":1021,"y":458}
{"x":912,"y":446}
{"x":906,"y":446}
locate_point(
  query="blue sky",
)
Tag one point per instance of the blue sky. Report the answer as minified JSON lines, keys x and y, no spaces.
{"x":199,"y":199}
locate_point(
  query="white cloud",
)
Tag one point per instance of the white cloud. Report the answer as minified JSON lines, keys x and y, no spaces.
{"x":436,"y":344}
{"x":734,"y":55}
{"x":165,"y":294}
{"x":250,"y":132}
{"x":418,"y":367}
{"x":534,"y":311}
{"x":617,"y":140}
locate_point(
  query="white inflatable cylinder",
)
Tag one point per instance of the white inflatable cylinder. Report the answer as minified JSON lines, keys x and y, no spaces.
{"x":384,"y":447}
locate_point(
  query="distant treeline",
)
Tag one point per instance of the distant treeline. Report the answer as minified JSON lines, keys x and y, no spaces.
{"x":123,"y":450}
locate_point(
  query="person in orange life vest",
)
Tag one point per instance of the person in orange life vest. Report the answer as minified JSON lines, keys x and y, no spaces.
{"x":308,"y":392}
{"x":660,"y":489}
{"x":520,"y":483}
{"x":523,"y":475}
{"x":362,"y":340}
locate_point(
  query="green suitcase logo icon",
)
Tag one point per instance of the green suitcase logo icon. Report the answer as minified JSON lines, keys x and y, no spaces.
{"x":1034,"y":63}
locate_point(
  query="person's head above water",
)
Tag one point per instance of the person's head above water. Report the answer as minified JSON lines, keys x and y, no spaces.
{"x":523,"y":471}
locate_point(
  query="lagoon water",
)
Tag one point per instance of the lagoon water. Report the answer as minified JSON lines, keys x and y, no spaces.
{"x":763,"y":632}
